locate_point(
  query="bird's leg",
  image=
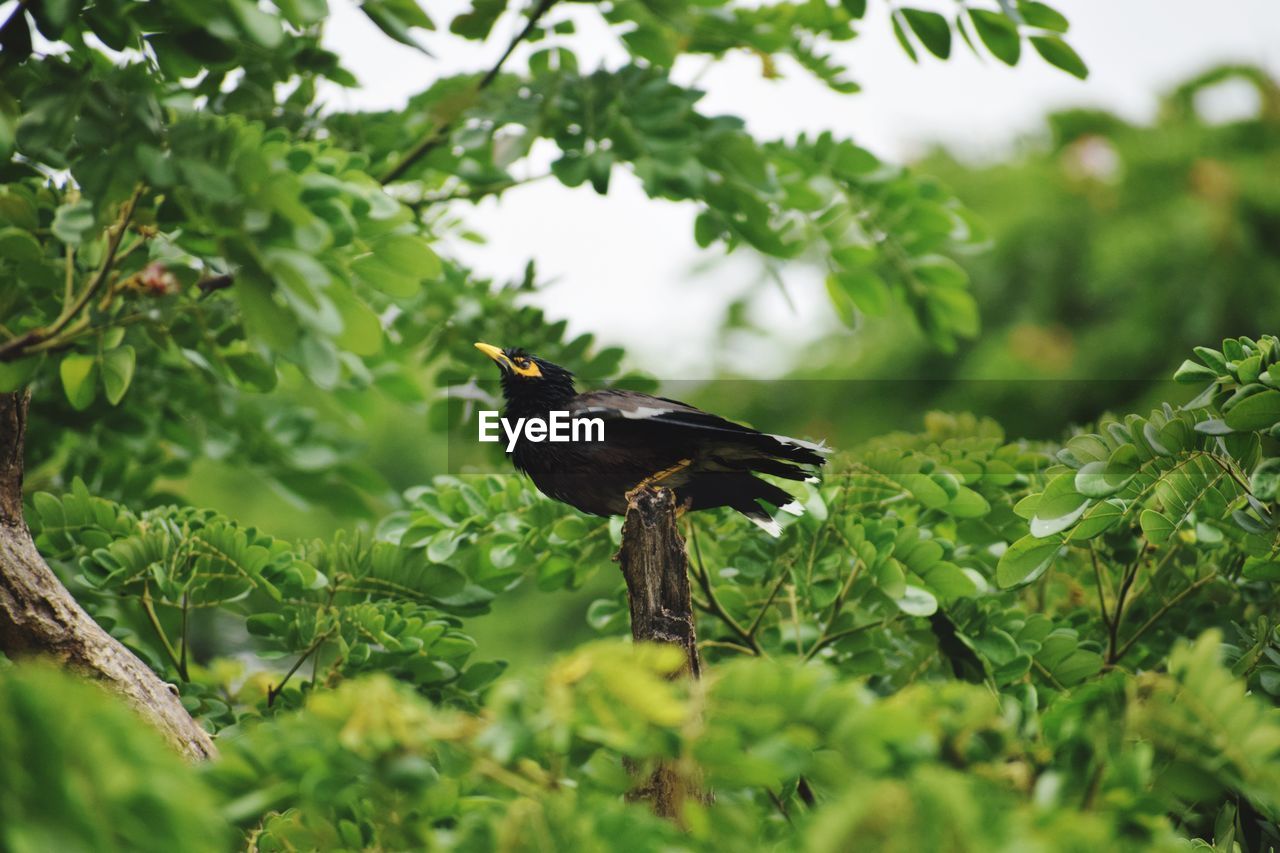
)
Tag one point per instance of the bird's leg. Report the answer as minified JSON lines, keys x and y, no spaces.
{"x":656,"y":479}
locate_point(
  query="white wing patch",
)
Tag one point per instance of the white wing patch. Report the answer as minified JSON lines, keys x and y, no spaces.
{"x":767,"y":524}
{"x":636,"y":414}
{"x":820,"y":447}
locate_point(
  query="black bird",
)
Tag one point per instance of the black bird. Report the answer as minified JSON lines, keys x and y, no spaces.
{"x":706,"y":460}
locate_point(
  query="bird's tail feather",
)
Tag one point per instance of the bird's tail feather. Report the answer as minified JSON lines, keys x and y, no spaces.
{"x":753,"y":497}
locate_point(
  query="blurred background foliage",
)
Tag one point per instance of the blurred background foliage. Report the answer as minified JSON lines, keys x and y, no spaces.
{"x":1097,"y":235}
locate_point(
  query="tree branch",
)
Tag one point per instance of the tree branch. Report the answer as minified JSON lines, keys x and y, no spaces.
{"x":437,"y":134}
{"x":472,"y":193}
{"x":655,"y":567}
{"x":1155,"y":617}
{"x":39,"y":617}
{"x":46,"y":337}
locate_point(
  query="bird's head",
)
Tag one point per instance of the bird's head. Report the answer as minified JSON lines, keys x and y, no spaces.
{"x":526,"y":376}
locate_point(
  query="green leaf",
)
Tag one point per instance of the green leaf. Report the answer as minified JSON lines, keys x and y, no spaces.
{"x":206,"y":180}
{"x":853,"y":162}
{"x":117,"y":372}
{"x":1092,"y":482}
{"x":1257,"y":412}
{"x":477,"y":23}
{"x":10,"y":112}
{"x":18,"y":245}
{"x":1256,"y":569}
{"x":846,"y":310}
{"x":79,"y":374}
{"x":302,"y":13}
{"x":651,"y":44}
{"x":408,"y":253}
{"x":72,"y":223}
{"x":967,"y":504}
{"x":1193,"y":373}
{"x":950,"y":581}
{"x":866,"y":289}
{"x":252,"y":369}
{"x":917,"y":602}
{"x":1265,"y":480}
{"x":1213,"y":426}
{"x":1025,"y":560}
{"x":1077,"y":666}
{"x":1098,"y":519}
{"x":1121,"y":466}
{"x":397,"y":265}
{"x":571,"y":528}
{"x":998,"y":33}
{"x":361,"y":328}
{"x":396,"y":17}
{"x":932,"y":29}
{"x":1042,"y":16}
{"x":1156,"y":526}
{"x":1060,"y":506}
{"x":14,"y":374}
{"x":256,"y":24}
{"x":901,"y":35}
{"x":1059,"y":54}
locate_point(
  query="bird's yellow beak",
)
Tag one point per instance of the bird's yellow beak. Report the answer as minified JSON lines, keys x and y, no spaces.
{"x":494,"y":353}
{"x":526,"y":367}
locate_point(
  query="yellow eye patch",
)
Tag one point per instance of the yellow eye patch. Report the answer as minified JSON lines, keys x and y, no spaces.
{"x":526,"y":367}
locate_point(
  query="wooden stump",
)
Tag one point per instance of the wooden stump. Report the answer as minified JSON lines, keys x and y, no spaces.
{"x":656,"y":568}
{"x":39,"y":617}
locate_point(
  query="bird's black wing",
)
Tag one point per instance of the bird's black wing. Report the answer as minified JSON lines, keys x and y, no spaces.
{"x":665,"y":412}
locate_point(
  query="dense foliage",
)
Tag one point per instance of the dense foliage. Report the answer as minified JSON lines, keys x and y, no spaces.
{"x":969,"y":639}
{"x":965,"y":638}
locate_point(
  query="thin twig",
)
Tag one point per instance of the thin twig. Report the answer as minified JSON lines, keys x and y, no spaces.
{"x":777,"y":801}
{"x":836,"y":607}
{"x":1130,"y":574}
{"x":773,"y":593}
{"x":795,"y":615}
{"x":840,"y":635}
{"x":22,"y":345}
{"x":70,"y":286}
{"x":1155,"y":617}
{"x":274,"y":692}
{"x":436,"y":134}
{"x":722,"y":644}
{"x":1102,"y":599}
{"x":182,"y":666}
{"x":214,"y":283}
{"x":473,"y":193}
{"x":1155,"y":572}
{"x":700,"y":572}
{"x":1047,"y":674}
{"x":155,"y":625}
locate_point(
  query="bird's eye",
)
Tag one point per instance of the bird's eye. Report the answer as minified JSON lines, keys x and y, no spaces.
{"x":522,"y":363}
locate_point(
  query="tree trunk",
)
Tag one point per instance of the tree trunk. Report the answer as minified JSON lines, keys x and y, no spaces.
{"x":656,"y":568}
{"x":39,"y":617}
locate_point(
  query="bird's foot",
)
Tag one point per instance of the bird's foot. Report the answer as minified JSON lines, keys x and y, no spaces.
{"x":656,"y":479}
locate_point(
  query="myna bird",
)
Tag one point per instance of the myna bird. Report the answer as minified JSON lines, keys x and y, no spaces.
{"x":704,"y":459}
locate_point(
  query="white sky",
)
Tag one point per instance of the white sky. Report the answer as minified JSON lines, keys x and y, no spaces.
{"x":620,"y":263}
